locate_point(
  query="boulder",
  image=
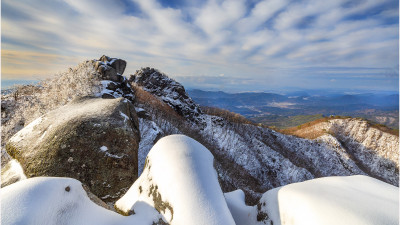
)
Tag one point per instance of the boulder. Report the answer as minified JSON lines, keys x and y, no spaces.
{"x":93,"y":140}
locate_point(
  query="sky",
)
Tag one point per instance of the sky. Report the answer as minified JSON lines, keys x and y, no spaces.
{"x":231,"y":45}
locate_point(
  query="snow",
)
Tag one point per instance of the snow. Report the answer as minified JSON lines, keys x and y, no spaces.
{"x":105,"y":150}
{"x":126,"y":118}
{"x":12,"y":172}
{"x":242,"y":214}
{"x":334,"y":200}
{"x":104,"y":90}
{"x":180,"y":171}
{"x":50,"y":200}
{"x":26,"y":131}
{"x":149,"y":131}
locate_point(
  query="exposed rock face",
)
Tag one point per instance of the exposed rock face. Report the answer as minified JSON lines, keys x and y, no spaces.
{"x":91,"y":139}
{"x":170,"y":91}
{"x":114,"y":84}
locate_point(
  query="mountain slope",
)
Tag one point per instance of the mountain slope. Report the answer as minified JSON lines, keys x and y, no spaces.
{"x":256,"y":159}
{"x":248,"y":157}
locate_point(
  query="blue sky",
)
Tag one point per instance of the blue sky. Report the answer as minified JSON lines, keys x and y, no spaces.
{"x":230,"y":45}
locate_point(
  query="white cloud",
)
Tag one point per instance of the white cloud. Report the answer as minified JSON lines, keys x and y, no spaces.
{"x":216,"y":37}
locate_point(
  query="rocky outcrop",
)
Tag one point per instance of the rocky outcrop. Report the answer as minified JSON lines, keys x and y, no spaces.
{"x":169,"y":91}
{"x":114,"y":84}
{"x":91,"y":139}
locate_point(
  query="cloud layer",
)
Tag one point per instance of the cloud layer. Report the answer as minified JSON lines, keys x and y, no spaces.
{"x":309,"y":43}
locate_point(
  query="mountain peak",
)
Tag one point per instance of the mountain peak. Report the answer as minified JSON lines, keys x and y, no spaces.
{"x":168,"y":90}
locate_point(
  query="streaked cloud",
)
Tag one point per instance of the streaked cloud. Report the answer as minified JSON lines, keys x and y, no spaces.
{"x":270,"y":42}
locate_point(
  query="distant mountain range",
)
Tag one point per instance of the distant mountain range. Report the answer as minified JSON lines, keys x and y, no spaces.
{"x":268,"y":108}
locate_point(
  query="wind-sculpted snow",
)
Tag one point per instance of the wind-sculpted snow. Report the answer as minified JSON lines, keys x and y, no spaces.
{"x":356,"y":200}
{"x":180,"y":182}
{"x":51,"y":200}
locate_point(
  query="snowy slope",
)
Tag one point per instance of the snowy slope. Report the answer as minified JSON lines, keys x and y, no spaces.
{"x":11,"y":172}
{"x":374,"y":151}
{"x":333,"y":200}
{"x":257,"y":159}
{"x":179,"y":181}
{"x":275,"y":159}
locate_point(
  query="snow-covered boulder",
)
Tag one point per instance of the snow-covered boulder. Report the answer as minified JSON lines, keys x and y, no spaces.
{"x":331,"y":200}
{"x":51,"y":200}
{"x":91,"y":139}
{"x":180,"y":182}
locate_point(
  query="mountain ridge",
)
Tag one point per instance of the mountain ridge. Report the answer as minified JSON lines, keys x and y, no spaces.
{"x":246,"y":156}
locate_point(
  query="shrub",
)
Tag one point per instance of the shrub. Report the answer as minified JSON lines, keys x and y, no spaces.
{"x":28,"y":102}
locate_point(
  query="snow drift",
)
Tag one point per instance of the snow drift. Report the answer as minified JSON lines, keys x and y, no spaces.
{"x":51,"y":200}
{"x":333,"y":200}
{"x":179,"y":180}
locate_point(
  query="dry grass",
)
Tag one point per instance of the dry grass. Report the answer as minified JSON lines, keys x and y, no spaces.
{"x":307,"y":130}
{"x":227,"y":115}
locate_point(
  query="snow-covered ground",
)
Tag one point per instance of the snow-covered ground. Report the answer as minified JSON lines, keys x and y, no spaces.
{"x":50,"y":200}
{"x":179,"y":185}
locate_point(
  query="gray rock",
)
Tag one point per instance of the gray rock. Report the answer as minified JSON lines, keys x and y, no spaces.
{"x":111,"y":69}
{"x":118,"y":64}
{"x":90,"y":139}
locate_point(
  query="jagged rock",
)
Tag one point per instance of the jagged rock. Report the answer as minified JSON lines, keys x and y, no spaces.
{"x":114,"y":84}
{"x":118,"y":64}
{"x":91,"y":139}
{"x":170,"y":91}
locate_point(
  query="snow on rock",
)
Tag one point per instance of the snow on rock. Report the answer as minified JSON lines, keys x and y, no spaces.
{"x":113,"y":84}
{"x":51,"y":200}
{"x":180,"y":182}
{"x":332,"y":200}
{"x":11,"y":173}
{"x":89,"y":139}
{"x":149,"y":135}
{"x":242,"y":213}
{"x":169,"y":91}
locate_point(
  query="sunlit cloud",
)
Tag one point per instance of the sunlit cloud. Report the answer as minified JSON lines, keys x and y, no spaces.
{"x":275,"y":42}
